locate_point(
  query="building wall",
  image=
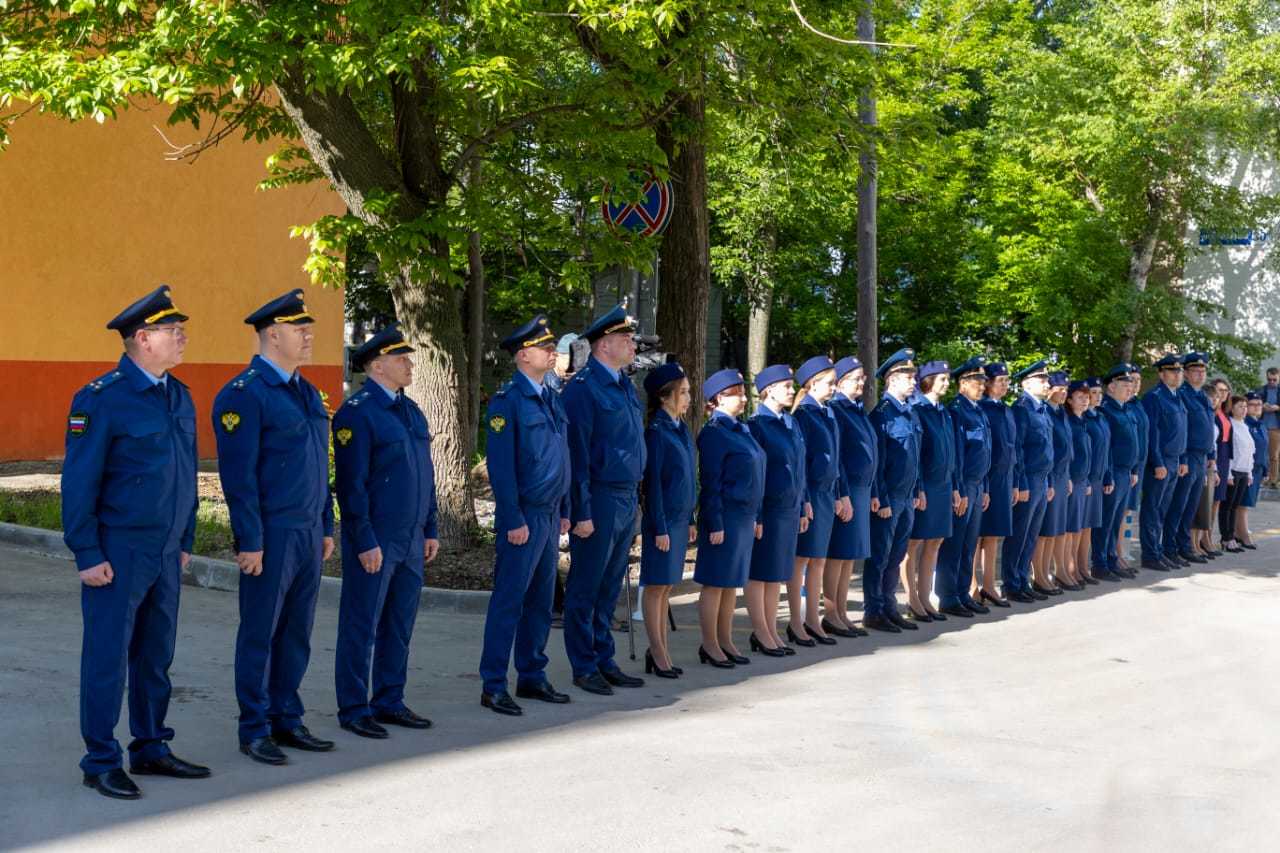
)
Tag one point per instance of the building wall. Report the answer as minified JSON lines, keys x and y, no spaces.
{"x":94,"y":217}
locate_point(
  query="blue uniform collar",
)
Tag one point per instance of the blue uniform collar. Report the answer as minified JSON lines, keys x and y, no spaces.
{"x":272,"y":372}
{"x":536,"y":387}
{"x":1035,"y":404}
{"x":139,"y":378}
{"x":388,"y":396}
{"x":616,"y":375}
{"x":729,"y":421}
{"x":900,"y":406}
{"x":663,"y":418}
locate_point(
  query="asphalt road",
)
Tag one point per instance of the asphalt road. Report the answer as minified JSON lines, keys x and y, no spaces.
{"x":1134,"y":717}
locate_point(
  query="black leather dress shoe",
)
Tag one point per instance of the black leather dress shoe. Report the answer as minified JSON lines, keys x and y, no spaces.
{"x":1046,"y":591}
{"x":994,"y":600}
{"x":818,"y":638}
{"x":901,"y":621}
{"x":1126,"y":573}
{"x":169,"y":765}
{"x":880,"y":623}
{"x":975,"y":607}
{"x":1176,"y":561}
{"x":1020,"y":596}
{"x":1107,"y":575}
{"x":618,"y":678}
{"x":301,"y":738}
{"x":593,"y":683}
{"x":804,"y":642}
{"x":264,"y":750}
{"x":404,"y":717}
{"x":918,"y":617}
{"x":1155,"y":565}
{"x":738,"y":660}
{"x":366,"y":727}
{"x":1189,"y":557}
{"x":502,"y":703}
{"x":543,"y":692}
{"x":1036,"y":594}
{"x":956,"y":610}
{"x":1089,"y":580}
{"x":114,"y":783}
{"x":1248,"y":546}
{"x":1070,"y":586}
{"x":841,"y":631}
{"x":788,"y":650}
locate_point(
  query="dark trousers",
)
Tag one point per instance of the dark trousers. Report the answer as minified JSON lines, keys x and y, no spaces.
{"x":1105,"y":557}
{"x":129,"y":629}
{"x":1186,"y":500}
{"x":889,"y":538}
{"x":1157,"y":497}
{"x":596,"y":566}
{"x":955,"y":557}
{"x":1227,"y":509}
{"x":1016,"y":550}
{"x":375,"y":624}
{"x":520,"y":606}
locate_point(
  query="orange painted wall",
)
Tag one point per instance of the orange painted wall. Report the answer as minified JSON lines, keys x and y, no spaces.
{"x":92,"y":217}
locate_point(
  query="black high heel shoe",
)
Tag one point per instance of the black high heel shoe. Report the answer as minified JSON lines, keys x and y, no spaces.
{"x":651,"y":667}
{"x":795,"y":638}
{"x":841,"y":631}
{"x":826,"y":641}
{"x":738,"y":660}
{"x":994,"y":600}
{"x":703,"y":657}
{"x":925,"y":617}
{"x":757,"y":646}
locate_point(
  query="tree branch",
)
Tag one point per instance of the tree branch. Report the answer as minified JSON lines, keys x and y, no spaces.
{"x":475,"y":145}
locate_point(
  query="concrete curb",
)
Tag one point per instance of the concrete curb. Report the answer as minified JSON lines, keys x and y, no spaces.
{"x":225,"y":576}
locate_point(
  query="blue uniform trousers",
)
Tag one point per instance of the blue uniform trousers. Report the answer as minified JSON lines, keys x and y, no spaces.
{"x":273,"y":645}
{"x":375,"y":623}
{"x":955,"y":557}
{"x":1018,"y":548}
{"x":129,"y":625}
{"x":889,"y":537}
{"x":1104,"y":536}
{"x":595,"y":578}
{"x":524,"y":582}
{"x":1157,"y":497}
{"x":1186,"y":500}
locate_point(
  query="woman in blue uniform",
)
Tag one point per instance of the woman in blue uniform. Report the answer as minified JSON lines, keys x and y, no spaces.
{"x":997,"y":521}
{"x":666,"y":528}
{"x":1081,"y":464}
{"x":1050,"y":556}
{"x":786,"y":511}
{"x":943,"y":501}
{"x":827,"y":495}
{"x":850,"y":540}
{"x":1099,"y":477}
{"x":731,"y":486}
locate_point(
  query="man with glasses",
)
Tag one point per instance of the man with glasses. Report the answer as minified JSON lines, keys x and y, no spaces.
{"x":1201,"y":455}
{"x":129,"y":516}
{"x":273,"y":459}
{"x":1166,"y":465}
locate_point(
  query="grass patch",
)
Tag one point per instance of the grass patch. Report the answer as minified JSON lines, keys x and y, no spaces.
{"x":42,"y":509}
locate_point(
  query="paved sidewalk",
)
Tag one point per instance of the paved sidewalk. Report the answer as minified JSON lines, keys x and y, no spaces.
{"x":1139,"y":716}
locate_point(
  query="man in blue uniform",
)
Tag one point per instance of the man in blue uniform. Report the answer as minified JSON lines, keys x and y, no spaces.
{"x":1201,"y":455}
{"x":386,"y":489}
{"x":896,"y":494}
{"x":954,"y":574}
{"x":129,"y":516}
{"x":273,"y":459}
{"x":1031,"y":476}
{"x":1166,"y":466}
{"x":528,"y":461}
{"x":1143,"y":424}
{"x":1122,"y":474}
{"x":607,"y":452}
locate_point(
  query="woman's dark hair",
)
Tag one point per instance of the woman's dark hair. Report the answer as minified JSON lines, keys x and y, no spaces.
{"x":1235,"y":398}
{"x":655,"y":401}
{"x":926,"y":384}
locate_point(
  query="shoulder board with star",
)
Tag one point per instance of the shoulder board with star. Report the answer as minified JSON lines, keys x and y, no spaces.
{"x":357,"y":398}
{"x":505,"y":389}
{"x":104,"y":380}
{"x":245,"y":378}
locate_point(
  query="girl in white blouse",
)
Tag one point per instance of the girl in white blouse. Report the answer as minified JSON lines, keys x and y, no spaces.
{"x":1242,"y":449}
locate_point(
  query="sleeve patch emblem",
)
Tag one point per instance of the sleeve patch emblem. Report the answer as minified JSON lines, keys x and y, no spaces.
{"x":497,"y":423}
{"x":230,"y":420}
{"x":77,"y":423}
{"x":344,"y":436}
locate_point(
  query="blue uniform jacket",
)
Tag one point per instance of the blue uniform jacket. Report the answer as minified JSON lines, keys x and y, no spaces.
{"x":1261,"y":447}
{"x":857,"y":441}
{"x":606,"y":434}
{"x":273,"y":454}
{"x":898,"y":436}
{"x":1035,"y":440}
{"x":130,"y":463}
{"x":1099,"y":429}
{"x":1062,"y":446}
{"x":383,"y":474}
{"x":1005,"y":449}
{"x":786,"y":487}
{"x":939,"y":452}
{"x":973,"y":441}
{"x":1199,"y":421}
{"x":1166,"y":428}
{"x":1126,"y":452}
{"x":1081,"y":467}
{"x":731,"y":474}
{"x":668,"y":475}
{"x":1142,"y":424}
{"x":527,"y":453}
{"x":822,"y":448}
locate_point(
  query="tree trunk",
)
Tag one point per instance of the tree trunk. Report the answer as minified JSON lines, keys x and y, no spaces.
{"x":475,"y":319}
{"x":1141,"y":256}
{"x":760,"y":291}
{"x":685,"y":261}
{"x":868,"y":180}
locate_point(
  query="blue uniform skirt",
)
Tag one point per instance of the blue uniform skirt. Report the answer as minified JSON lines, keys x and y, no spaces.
{"x":814,"y":541}
{"x":998,"y":519}
{"x":658,"y":568}
{"x":1077,"y":506}
{"x":935,"y":520}
{"x":774,"y":554}
{"x":727,"y":564}
{"x":1093,"y":506}
{"x":1055,"y":512}
{"x":1250,"y":498}
{"x":851,"y":540}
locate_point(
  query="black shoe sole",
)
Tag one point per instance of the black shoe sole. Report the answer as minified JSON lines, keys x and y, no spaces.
{"x":506,"y":712}
{"x":283,"y":760}
{"x":368,"y":735}
{"x":112,"y":794}
{"x":425,"y":724}
{"x":558,"y":699}
{"x":137,"y":772}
